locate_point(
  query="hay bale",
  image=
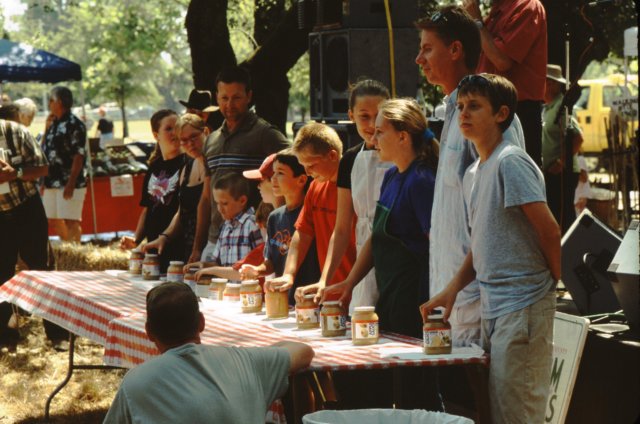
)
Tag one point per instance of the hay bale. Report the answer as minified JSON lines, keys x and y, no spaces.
{"x":88,"y":257}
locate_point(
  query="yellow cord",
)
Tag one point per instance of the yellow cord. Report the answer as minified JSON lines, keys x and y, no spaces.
{"x":392,"y":64}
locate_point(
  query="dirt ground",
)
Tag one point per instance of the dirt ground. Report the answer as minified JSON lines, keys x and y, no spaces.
{"x":29,"y":375}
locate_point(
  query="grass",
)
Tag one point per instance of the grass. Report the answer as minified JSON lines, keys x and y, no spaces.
{"x":139,"y":130}
{"x":29,"y":375}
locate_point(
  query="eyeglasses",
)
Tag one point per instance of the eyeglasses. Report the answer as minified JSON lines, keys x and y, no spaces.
{"x":192,"y":138}
{"x":475,"y":79}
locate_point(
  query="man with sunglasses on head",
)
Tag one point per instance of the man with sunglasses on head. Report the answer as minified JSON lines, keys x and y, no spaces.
{"x":449,"y":51}
{"x":514,"y":45}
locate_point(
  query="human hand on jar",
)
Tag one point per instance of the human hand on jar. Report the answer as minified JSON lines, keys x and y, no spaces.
{"x":283,"y":283}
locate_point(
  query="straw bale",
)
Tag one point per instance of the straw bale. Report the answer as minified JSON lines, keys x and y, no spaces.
{"x":88,"y":257}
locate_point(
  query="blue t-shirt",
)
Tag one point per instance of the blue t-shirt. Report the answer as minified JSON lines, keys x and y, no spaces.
{"x":509,"y":264}
{"x":409,"y":196}
{"x":280,"y":229}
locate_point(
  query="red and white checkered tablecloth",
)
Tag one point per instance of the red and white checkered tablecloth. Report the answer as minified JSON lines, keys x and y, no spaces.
{"x":111,"y":311}
{"x":82,"y":302}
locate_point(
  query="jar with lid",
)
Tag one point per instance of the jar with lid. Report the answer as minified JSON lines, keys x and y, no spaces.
{"x":174,"y":272}
{"x":250,"y":296}
{"x":277,"y":304}
{"x":231,"y":292}
{"x":135,"y":262}
{"x":189,"y":277}
{"x":216,"y":288}
{"x":307,"y":313}
{"x":151,"y":267}
{"x":436,"y":335}
{"x":202,"y":286}
{"x":333,"y":319}
{"x":364,"y":326}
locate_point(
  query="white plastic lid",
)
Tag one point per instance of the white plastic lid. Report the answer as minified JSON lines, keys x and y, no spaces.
{"x":436,"y":314}
{"x":219,"y":280}
{"x":176,"y":263}
{"x":332,"y":303}
{"x":309,"y":296}
{"x":151,"y":255}
{"x":249,"y":282}
{"x":364,"y":309}
{"x":233,"y":285}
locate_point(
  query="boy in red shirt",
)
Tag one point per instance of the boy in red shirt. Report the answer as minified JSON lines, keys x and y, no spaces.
{"x":318,"y":149}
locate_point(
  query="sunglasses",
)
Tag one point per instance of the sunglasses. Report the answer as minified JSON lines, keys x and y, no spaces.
{"x":438,"y":17}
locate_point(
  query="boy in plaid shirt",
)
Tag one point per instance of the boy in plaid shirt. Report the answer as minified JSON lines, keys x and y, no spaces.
{"x":239,"y":233}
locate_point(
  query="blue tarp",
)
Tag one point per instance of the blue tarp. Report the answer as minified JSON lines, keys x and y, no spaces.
{"x":23,"y":63}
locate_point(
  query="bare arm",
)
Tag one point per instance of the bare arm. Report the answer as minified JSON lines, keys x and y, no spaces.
{"x":202,"y":221}
{"x":300,"y":354}
{"x":219,"y":271}
{"x":29,"y":173}
{"x":341,"y":236}
{"x":493,"y":53}
{"x":447,"y":297}
{"x":364,"y":263}
{"x":76,"y":167}
{"x":548,"y":231}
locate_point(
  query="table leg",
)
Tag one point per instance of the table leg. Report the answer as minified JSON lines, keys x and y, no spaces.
{"x":478,"y":376}
{"x":71,"y":368}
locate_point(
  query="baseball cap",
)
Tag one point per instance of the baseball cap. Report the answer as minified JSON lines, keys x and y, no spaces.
{"x":265,"y":171}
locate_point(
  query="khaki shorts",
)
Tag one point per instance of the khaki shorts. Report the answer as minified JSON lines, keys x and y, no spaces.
{"x":57,"y":207}
{"x":465,"y":324}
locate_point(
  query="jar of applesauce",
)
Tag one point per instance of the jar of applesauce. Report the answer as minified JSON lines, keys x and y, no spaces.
{"x":202,"y":286}
{"x":333,"y":319}
{"x":364,"y":326}
{"x":174,"y":272}
{"x":250,"y":296}
{"x":277,"y":304}
{"x":189,"y":277}
{"x":151,"y":267}
{"x":216,"y":288}
{"x":307,"y":313}
{"x":436,"y":335}
{"x":135,"y":262}
{"x":231,"y":292}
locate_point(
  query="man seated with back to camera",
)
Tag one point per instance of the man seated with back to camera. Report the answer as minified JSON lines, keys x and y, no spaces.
{"x":193,"y":383}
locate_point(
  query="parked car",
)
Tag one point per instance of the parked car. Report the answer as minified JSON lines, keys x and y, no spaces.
{"x":594,"y":105}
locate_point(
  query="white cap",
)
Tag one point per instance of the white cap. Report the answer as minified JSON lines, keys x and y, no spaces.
{"x":249,"y":282}
{"x":364,"y":308}
{"x":219,"y":280}
{"x":332,"y":303}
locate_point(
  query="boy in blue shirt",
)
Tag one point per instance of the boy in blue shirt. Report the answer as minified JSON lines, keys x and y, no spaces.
{"x":515,"y":253}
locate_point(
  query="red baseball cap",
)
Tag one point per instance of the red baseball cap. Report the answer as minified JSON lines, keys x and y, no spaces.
{"x":264,"y":172}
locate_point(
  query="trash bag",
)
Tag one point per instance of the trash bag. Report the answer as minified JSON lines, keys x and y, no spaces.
{"x":383,"y":416}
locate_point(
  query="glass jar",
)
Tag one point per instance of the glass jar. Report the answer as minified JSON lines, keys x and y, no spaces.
{"x":307,"y":313}
{"x":277,"y":304}
{"x":216,"y":288}
{"x":364,"y":326}
{"x":333,"y":319}
{"x":189,"y":277}
{"x":436,"y":335}
{"x":175,"y":272}
{"x":151,"y":267}
{"x":202,"y":286}
{"x":250,"y":296}
{"x":135,"y":262}
{"x":231,"y":292}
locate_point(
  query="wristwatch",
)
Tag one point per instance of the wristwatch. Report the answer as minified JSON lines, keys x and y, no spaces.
{"x":19,"y":173}
{"x":479,"y":23}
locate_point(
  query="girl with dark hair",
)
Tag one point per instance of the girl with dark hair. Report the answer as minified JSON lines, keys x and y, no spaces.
{"x":160,"y":187}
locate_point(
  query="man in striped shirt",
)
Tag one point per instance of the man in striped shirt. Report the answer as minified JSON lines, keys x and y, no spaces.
{"x":242,"y":142}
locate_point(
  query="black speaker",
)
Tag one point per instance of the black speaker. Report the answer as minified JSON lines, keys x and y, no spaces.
{"x":588,"y":248}
{"x":624,"y":272}
{"x":339,"y":58}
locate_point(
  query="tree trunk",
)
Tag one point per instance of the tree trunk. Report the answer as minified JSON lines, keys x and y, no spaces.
{"x":269,"y":65}
{"x":208,"y":37}
{"x":125,"y":125}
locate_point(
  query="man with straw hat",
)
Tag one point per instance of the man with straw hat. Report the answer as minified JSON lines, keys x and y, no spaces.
{"x":557,"y":164}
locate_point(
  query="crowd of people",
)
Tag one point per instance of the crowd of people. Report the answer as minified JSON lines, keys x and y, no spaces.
{"x":400,"y":221}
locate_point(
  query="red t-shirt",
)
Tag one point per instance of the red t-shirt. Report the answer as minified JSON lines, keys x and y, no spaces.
{"x":519,"y":29}
{"x":318,"y":218}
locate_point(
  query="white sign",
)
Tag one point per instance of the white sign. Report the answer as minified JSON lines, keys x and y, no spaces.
{"x":626,"y":106}
{"x":569,"y":336}
{"x":121,"y":186}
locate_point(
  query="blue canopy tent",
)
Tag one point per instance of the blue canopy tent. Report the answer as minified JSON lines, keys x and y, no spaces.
{"x":23,"y":63}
